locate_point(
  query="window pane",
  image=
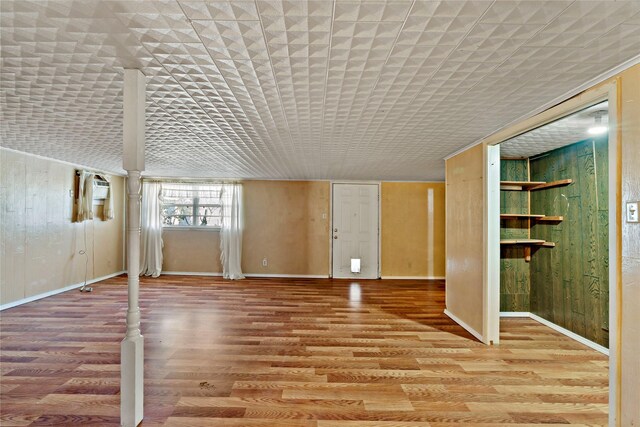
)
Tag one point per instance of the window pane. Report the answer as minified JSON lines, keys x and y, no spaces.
{"x":209,"y":215}
{"x":177,"y":214}
{"x":178,"y":220}
{"x":178,"y":202}
{"x":209,"y":221}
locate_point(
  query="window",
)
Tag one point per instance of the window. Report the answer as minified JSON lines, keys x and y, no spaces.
{"x":191,"y":205}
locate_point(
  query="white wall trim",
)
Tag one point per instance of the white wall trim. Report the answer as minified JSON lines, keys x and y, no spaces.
{"x":464,"y":325}
{"x":74,"y":165}
{"x":206,"y":274}
{"x":563,"y":331}
{"x":615,"y":292}
{"x":190,"y":273}
{"x":491,"y":239}
{"x":515,"y":314}
{"x":412,"y":277}
{"x":205,"y":179}
{"x":570,"y":334}
{"x":293,"y":276}
{"x":57,"y":291}
{"x":558,"y":100}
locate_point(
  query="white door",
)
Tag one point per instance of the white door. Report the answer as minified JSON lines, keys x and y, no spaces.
{"x":355,"y":231}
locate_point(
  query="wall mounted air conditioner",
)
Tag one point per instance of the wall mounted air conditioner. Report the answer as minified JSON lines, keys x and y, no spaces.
{"x":100,"y":188}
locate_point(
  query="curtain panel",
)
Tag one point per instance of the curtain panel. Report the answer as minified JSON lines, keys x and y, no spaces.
{"x":108,"y":203}
{"x":85,"y":196}
{"x":84,"y":201}
{"x":231,"y":231}
{"x":151,"y":230}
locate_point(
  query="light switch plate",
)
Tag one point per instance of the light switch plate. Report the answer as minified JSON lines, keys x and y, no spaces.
{"x":632,"y":211}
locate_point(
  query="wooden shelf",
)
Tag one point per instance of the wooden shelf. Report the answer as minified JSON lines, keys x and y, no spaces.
{"x":520,"y":216}
{"x":532,"y":185}
{"x":539,"y":218}
{"x":550,"y":219}
{"x":530,"y":242}
{"x":559,"y":183}
{"x":519,"y":185}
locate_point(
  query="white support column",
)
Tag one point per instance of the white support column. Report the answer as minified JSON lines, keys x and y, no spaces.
{"x":132,"y":347}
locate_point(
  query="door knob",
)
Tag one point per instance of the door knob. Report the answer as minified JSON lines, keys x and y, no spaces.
{"x":335,"y":230}
{"x":335,"y":237}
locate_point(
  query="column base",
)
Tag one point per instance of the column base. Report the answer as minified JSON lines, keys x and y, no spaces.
{"x":131,"y":381}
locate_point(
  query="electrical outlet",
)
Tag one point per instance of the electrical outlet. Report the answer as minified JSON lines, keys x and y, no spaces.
{"x":264,"y":262}
{"x":632,"y":211}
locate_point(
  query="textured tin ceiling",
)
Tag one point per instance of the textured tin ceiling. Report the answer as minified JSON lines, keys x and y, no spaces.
{"x":292,"y":89}
{"x":562,"y":132}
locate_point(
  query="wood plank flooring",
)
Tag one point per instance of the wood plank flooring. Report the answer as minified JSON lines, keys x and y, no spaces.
{"x":290,"y":352}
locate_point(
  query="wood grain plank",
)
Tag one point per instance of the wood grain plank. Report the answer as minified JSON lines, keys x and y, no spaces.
{"x":290,"y":352}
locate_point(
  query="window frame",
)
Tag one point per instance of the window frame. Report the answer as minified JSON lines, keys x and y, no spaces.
{"x":195,"y":205}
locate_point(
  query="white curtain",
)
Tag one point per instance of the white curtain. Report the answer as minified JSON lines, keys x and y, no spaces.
{"x":151,"y":230}
{"x":85,"y":196}
{"x":231,"y":231}
{"x":108,"y":204}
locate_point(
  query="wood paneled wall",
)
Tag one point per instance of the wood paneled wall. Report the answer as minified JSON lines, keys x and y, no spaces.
{"x":629,"y":241}
{"x":570,"y":283}
{"x":567,"y":285}
{"x":284,"y":223}
{"x":465,"y":246}
{"x":514,"y":271}
{"x":412,"y":229}
{"x":624,"y":382}
{"x":40,"y":240}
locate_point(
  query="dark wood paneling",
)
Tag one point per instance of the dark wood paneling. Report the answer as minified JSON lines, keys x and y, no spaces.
{"x":569,"y":283}
{"x":514,"y":271}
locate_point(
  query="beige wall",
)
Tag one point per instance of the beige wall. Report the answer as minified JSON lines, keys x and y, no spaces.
{"x":413,"y":229}
{"x":191,"y":251}
{"x":40,"y":243}
{"x":464,"y":213}
{"x":283,"y":223}
{"x":629,"y":351}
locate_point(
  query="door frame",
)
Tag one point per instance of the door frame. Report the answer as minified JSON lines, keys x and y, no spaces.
{"x":605,"y":92}
{"x":377,"y":183}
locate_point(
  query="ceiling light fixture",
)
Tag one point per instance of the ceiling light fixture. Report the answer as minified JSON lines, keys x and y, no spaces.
{"x":598,"y":127}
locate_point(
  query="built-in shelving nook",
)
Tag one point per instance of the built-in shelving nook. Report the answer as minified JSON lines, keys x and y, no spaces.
{"x":554,"y":227}
{"x":540,"y":218}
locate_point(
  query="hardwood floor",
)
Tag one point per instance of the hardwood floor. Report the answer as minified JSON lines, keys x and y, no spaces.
{"x":290,"y":352}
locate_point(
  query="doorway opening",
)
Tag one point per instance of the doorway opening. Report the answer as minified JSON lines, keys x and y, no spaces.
{"x":561,"y":225}
{"x":554,"y":226}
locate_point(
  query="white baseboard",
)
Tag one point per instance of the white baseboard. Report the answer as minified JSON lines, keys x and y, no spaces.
{"x":515,"y":314}
{"x":413,"y":277}
{"x":464,"y":325}
{"x":189,"y":273}
{"x":557,"y":328}
{"x":293,"y":276}
{"x":570,"y":334}
{"x":58,"y":291}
